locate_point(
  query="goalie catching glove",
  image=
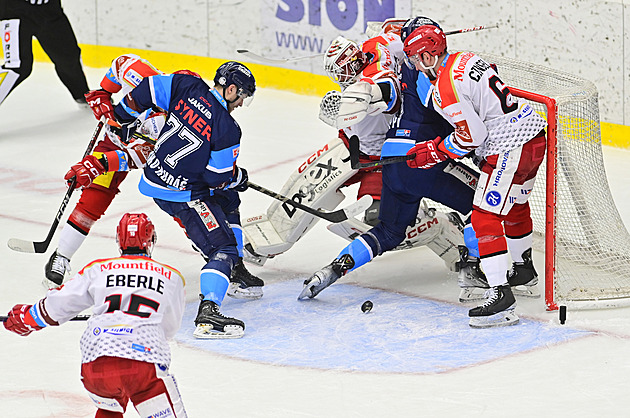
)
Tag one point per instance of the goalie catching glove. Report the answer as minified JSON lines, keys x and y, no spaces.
{"x":358,"y":101}
{"x":429,"y":153}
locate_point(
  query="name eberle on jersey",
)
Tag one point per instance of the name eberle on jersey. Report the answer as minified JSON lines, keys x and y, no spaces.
{"x":135,"y":280}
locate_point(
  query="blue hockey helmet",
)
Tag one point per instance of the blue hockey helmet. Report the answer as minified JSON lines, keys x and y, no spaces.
{"x":413,"y":24}
{"x":233,"y":72}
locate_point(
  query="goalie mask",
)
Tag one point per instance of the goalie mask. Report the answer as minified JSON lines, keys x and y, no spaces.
{"x":344,"y":61}
{"x":135,"y":234}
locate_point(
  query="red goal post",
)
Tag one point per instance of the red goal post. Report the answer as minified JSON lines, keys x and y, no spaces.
{"x":550,"y":188}
{"x":576,"y":222}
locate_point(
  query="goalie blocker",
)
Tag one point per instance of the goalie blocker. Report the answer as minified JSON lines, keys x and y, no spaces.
{"x":316,"y":183}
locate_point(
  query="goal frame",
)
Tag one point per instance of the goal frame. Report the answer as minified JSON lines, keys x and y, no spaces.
{"x":550,"y":188}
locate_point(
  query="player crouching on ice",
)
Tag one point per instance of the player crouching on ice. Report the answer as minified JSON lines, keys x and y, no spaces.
{"x":370,"y":95}
{"x":137,"y":304}
{"x":359,"y":70}
{"x":509,"y":137}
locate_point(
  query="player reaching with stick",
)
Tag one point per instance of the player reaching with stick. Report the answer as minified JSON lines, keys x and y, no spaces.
{"x":137,"y":304}
{"x":509,"y":137}
{"x":192,"y":173}
{"x":403,"y":188}
{"x":101,"y":173}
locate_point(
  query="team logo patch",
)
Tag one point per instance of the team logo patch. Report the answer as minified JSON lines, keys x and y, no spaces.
{"x":142,"y":348}
{"x":493,"y":198}
{"x":403,"y":132}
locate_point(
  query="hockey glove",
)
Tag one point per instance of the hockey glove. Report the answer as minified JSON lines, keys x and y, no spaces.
{"x":100,"y":102}
{"x":85,"y":171}
{"x":427,"y":153}
{"x":357,"y":102}
{"x":240,"y":179}
{"x":21,"y":321}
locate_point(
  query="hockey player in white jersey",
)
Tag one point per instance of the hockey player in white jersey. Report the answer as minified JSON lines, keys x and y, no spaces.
{"x":509,"y":137}
{"x":366,"y":106}
{"x":137,"y":304}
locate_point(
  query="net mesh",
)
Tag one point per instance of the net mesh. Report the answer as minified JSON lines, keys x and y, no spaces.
{"x":592,"y":262}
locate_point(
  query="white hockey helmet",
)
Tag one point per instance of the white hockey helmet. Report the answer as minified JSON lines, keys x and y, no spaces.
{"x":344,"y":61}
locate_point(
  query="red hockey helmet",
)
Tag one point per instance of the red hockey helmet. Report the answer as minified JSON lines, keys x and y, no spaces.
{"x":426,"y":38}
{"x":135,"y":234}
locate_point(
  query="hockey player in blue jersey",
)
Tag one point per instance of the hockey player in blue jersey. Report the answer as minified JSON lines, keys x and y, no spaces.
{"x":192,"y":174}
{"x":450,"y":183}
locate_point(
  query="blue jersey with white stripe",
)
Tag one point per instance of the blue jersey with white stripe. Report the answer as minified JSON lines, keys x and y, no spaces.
{"x":418,"y":121}
{"x":199,"y":144}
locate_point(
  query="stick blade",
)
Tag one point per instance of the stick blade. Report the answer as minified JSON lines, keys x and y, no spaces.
{"x":21,"y":245}
{"x":359,"y":206}
{"x":24,"y":246}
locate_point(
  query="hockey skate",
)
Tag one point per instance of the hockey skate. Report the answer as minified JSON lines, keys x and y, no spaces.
{"x":211,"y":324}
{"x":243,"y":284}
{"x":55,"y":270}
{"x":496,"y":311}
{"x":470,"y":278}
{"x":326,"y":276}
{"x":523,"y":277}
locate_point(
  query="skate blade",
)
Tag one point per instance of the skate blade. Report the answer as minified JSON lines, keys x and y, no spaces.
{"x":472,"y":294}
{"x":309,"y":289}
{"x":236,"y":292}
{"x":206,"y":332}
{"x":526,"y":291}
{"x":306,"y":293}
{"x":501,"y":319}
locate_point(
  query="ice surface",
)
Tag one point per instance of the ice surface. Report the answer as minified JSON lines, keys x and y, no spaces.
{"x":412,"y":356}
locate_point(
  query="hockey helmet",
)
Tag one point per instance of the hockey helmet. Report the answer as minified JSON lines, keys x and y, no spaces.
{"x":426,"y":38}
{"x":233,"y":72}
{"x":135,"y":234}
{"x":344,"y":61}
{"x":414,"y":23}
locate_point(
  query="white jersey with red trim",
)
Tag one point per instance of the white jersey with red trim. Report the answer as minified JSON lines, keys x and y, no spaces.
{"x":126,"y":72}
{"x":137,"y":304}
{"x":385,"y":54}
{"x":487,"y":118}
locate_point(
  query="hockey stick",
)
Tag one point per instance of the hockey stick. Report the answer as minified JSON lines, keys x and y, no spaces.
{"x":3,"y":318}
{"x":353,"y":146}
{"x":40,"y":247}
{"x":335,"y":217}
{"x":473,"y":29}
{"x":260,"y":58}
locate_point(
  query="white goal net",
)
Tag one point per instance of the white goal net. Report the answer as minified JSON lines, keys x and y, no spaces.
{"x":586,"y":245}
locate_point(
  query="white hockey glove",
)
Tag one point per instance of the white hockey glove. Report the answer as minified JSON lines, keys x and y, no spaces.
{"x":329,"y":108}
{"x":358,"y":101}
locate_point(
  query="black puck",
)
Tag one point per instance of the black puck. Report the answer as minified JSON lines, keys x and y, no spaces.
{"x":563,"y":314}
{"x":367,"y":306}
